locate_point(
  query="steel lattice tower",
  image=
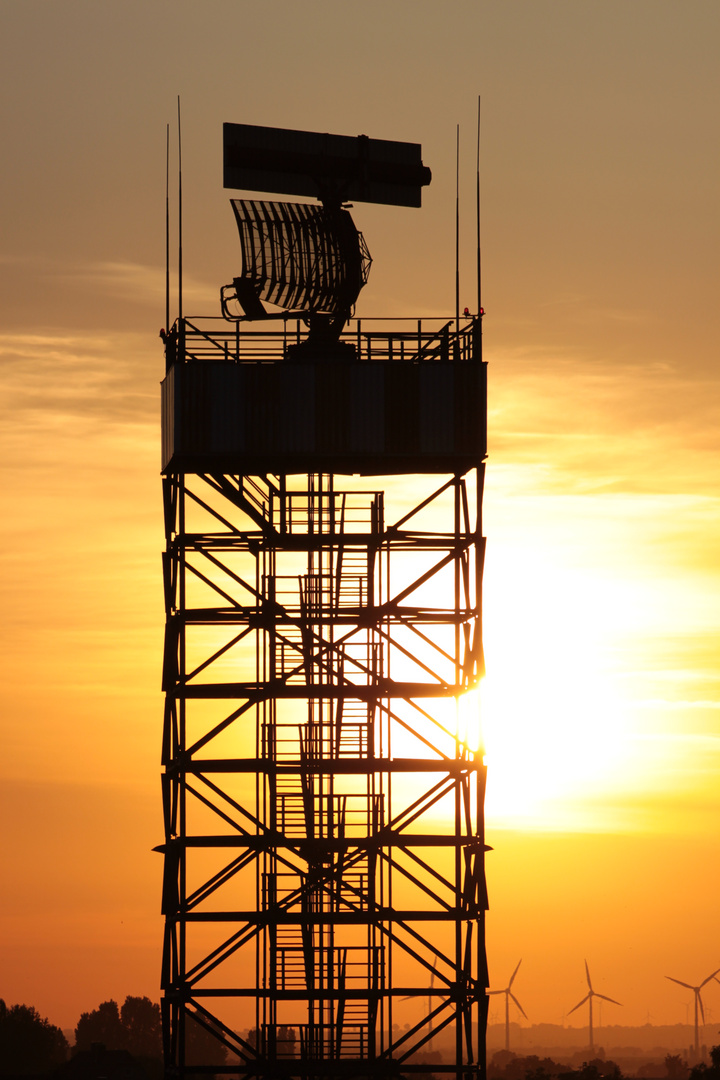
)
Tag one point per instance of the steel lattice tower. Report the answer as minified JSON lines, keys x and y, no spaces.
{"x":322,"y":789}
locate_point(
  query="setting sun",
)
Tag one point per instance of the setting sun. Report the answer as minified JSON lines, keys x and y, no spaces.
{"x":553,"y":721}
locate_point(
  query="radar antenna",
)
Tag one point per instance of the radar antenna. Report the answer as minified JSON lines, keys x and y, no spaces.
{"x":309,"y":259}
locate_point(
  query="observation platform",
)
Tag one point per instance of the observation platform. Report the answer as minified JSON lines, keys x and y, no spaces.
{"x":394,"y":396}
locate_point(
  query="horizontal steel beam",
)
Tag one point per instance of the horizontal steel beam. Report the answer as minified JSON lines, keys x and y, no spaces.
{"x":276,"y":688}
{"x":326,"y":918}
{"x":386,"y":838}
{"x":326,"y":766}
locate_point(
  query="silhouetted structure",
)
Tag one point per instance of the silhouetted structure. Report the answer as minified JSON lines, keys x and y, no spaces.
{"x":324,"y":831}
{"x":589,"y":998}
{"x":100,"y":1063}
{"x":698,"y":1005}
{"x":509,"y":994}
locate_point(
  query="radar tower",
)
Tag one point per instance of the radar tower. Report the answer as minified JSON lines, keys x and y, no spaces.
{"x":324,"y":889}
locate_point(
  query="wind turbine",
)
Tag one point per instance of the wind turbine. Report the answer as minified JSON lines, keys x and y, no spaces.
{"x":430,"y":997}
{"x":509,"y":994}
{"x":588,"y":997}
{"x":698,"y":1002}
{"x":430,"y":1000}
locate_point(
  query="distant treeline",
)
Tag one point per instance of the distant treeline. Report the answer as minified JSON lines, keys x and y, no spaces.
{"x":505,"y":1065}
{"x":127,"y":1039}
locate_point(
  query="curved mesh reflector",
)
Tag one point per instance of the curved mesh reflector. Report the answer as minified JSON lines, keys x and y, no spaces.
{"x":301,"y":256}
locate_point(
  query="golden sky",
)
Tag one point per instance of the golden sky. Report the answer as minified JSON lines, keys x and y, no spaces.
{"x":601,"y":710}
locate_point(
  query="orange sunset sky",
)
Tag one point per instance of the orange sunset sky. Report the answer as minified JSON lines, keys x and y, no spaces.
{"x":601,"y":708}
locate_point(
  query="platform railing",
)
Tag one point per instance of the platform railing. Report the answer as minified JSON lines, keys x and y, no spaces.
{"x":374,"y":340}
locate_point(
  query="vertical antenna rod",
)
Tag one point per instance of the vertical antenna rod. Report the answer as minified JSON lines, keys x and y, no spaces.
{"x":180,"y":269}
{"x":167,"y":230}
{"x":477,"y":212}
{"x":457,"y":231}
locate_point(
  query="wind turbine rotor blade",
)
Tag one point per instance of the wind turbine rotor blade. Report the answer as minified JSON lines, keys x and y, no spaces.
{"x":488,"y":992}
{"x":709,"y":978}
{"x":702,"y":1011}
{"x":680,"y":983}
{"x":586,"y":998}
{"x":606,"y":998}
{"x":587,"y":972}
{"x":512,"y":996}
{"x":514,"y":972}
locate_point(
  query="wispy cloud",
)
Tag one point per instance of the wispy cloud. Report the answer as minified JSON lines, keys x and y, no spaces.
{"x":50,"y":378}
{"x":68,"y":293}
{"x":592,"y":426}
{"x":139,"y":284}
{"x":584,"y":310}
